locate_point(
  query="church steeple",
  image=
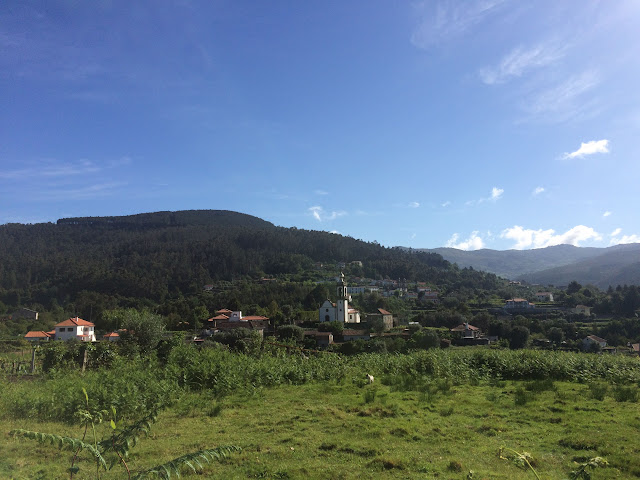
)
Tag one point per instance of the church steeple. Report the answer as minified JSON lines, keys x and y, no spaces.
{"x":342,"y":288}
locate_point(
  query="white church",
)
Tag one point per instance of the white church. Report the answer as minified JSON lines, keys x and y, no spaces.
{"x":339,"y":311}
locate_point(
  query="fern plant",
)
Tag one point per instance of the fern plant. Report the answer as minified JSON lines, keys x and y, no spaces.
{"x":114,"y":448}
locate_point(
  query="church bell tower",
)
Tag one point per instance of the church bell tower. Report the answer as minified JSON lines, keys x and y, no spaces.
{"x":342,"y":302}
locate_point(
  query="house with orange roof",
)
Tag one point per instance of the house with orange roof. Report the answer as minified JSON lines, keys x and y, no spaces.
{"x":75,"y":328}
{"x":111,"y":337}
{"x":39,"y":336}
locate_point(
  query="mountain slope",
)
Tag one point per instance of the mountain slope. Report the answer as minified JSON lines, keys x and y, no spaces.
{"x":616,"y":266}
{"x":514,"y":263}
{"x":557,"y":265}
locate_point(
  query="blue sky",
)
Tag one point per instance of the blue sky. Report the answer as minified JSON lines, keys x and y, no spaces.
{"x":494,"y":123}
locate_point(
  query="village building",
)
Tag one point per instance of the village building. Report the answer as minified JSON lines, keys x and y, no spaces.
{"x":382,"y":314}
{"x":582,"y":310}
{"x":544,"y":296}
{"x":230,"y":320}
{"x":591,"y":340}
{"x":75,"y":328}
{"x":25,"y":313}
{"x":339,"y":311}
{"x":39,"y":336}
{"x":518,"y":304}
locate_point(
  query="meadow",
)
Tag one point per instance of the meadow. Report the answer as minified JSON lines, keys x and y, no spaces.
{"x":459,"y":414}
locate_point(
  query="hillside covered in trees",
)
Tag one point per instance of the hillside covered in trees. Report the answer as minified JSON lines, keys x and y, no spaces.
{"x":161,"y":260}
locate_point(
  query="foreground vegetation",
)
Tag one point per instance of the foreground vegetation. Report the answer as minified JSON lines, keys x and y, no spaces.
{"x":428,"y":414}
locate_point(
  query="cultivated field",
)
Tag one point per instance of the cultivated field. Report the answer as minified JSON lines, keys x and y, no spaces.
{"x":407,"y":424}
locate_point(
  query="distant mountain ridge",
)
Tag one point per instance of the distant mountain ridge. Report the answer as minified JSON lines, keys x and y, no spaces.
{"x":557,"y":265}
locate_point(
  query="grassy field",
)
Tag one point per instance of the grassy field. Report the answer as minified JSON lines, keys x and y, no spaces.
{"x":399,"y":427}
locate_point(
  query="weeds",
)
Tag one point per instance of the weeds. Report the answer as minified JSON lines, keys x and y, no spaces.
{"x":114,"y":449}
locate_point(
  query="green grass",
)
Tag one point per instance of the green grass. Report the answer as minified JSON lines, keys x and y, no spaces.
{"x":428,"y":428}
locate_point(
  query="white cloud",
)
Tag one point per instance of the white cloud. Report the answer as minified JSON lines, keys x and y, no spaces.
{"x":519,"y":60}
{"x":413,"y":205}
{"x":589,"y":148}
{"x":606,"y":214}
{"x":615,"y":240}
{"x":538,"y":190}
{"x":319,"y":214}
{"x":529,"y":238}
{"x":474,"y":242}
{"x":496,"y":194}
{"x":446,"y":204}
{"x":442,"y":21}
{"x":321,"y":192}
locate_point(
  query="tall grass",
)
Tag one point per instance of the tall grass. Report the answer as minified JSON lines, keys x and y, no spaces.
{"x":132,"y":386}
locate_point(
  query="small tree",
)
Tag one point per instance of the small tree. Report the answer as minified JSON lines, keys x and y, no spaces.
{"x":519,"y":337}
{"x":142,"y":329}
{"x":290,"y":332}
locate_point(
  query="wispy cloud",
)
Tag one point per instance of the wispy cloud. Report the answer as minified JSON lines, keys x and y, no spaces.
{"x":529,"y":238}
{"x":79,"y":193}
{"x":474,"y":242}
{"x":589,"y":148}
{"x":51,"y":168}
{"x":606,"y":214}
{"x":54,"y":168}
{"x":321,"y":192}
{"x":563,"y":102}
{"x":616,"y":232}
{"x":321,"y":215}
{"x":445,"y":204}
{"x":413,"y":205}
{"x":538,"y":191}
{"x":519,"y":61}
{"x":496,"y":193}
{"x":444,"y":20}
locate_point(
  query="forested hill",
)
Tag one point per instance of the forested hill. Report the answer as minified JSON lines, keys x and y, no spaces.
{"x":218,"y":218}
{"x":152,"y":258}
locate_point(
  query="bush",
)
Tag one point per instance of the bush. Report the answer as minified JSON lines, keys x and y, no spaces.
{"x":625,"y":394}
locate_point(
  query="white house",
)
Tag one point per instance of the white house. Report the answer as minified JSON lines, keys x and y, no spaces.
{"x":339,"y":311}
{"x":518,"y":304}
{"x":75,"y":328}
{"x":544,"y":296}
{"x":591,"y":339}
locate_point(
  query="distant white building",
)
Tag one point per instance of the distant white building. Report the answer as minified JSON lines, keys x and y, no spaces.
{"x":75,"y":328}
{"x":544,"y":296}
{"x":339,"y":311}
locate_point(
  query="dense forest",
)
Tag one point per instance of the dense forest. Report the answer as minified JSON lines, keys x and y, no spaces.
{"x":162,"y":261}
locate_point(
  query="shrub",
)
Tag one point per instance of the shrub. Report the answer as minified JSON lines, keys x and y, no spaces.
{"x":625,"y":394}
{"x":598,"y":390}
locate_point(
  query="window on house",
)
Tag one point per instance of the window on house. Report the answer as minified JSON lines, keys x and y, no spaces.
{"x":70,"y":329}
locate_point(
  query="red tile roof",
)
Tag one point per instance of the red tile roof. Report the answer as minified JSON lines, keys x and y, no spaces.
{"x":112,"y":334}
{"x":384,"y":312}
{"x":464,"y":326}
{"x":254,"y":317}
{"x":37,"y":334}
{"x":224,"y":310}
{"x":77,"y":322}
{"x":218,"y":317}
